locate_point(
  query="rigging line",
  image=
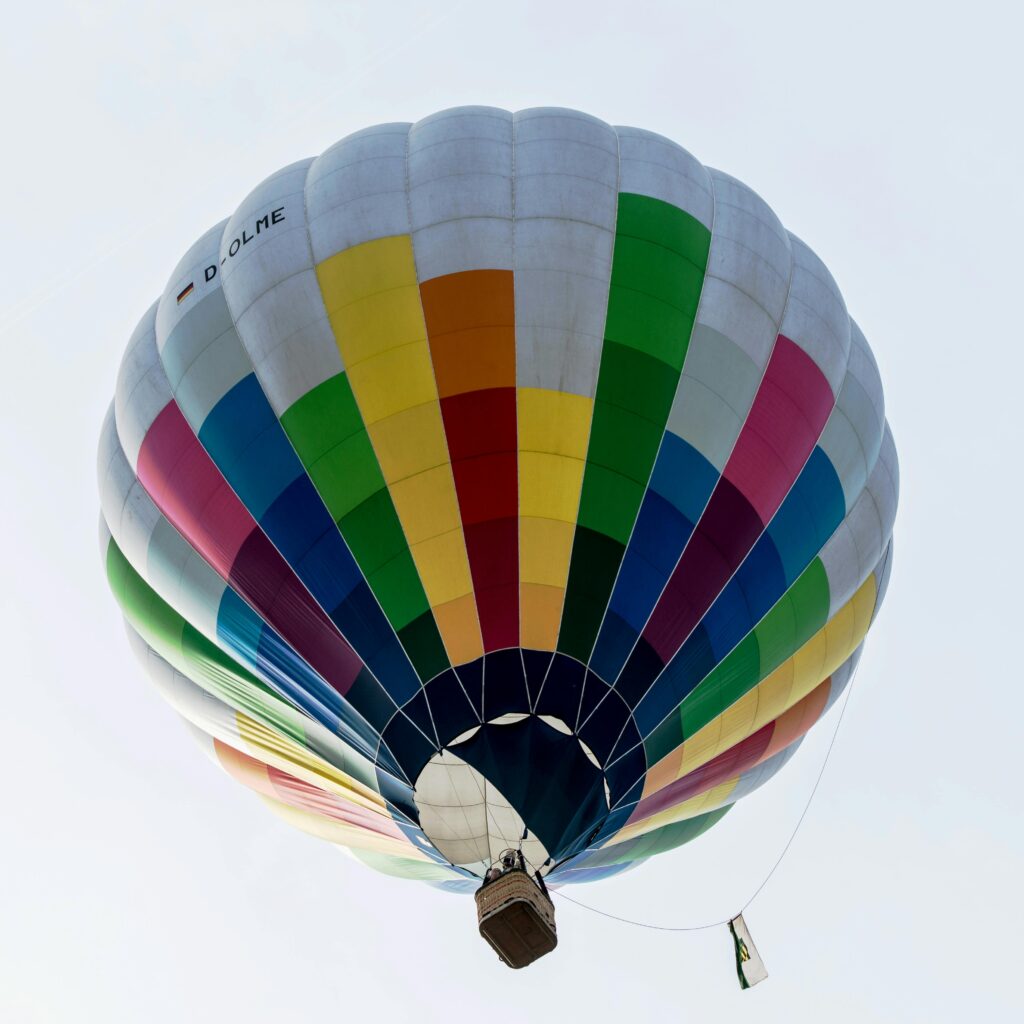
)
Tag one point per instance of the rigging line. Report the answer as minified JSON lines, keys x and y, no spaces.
{"x":814,"y":790}
{"x":638,"y":924}
{"x":774,"y":867}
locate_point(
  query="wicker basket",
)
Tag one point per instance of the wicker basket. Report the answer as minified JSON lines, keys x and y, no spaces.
{"x":516,"y":918}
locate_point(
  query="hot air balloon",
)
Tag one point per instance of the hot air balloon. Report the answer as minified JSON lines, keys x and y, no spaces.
{"x":499,"y":484}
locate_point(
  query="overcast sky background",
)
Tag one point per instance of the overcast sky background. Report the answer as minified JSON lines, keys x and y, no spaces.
{"x":138,"y":883}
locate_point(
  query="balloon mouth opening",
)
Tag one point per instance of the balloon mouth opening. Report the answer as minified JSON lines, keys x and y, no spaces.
{"x":518,"y":781}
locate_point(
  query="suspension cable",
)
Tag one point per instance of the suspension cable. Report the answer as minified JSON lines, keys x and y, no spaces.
{"x":767,"y":877}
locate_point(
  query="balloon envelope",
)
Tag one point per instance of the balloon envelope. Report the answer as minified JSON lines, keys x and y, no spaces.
{"x":499,"y":478}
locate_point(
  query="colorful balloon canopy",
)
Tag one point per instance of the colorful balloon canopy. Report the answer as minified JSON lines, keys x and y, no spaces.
{"x":499,"y":475}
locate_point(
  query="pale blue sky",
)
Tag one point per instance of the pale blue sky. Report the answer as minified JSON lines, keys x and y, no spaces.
{"x":139,"y":883}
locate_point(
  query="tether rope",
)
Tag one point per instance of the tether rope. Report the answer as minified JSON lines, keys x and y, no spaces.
{"x":767,"y":878}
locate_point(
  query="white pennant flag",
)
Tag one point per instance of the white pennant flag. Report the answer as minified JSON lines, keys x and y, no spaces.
{"x":749,"y":966}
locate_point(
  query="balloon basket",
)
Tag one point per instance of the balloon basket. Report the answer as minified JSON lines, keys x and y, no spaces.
{"x":516,"y":919}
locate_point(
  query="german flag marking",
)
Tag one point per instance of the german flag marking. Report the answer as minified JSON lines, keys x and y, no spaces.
{"x":187,"y":290}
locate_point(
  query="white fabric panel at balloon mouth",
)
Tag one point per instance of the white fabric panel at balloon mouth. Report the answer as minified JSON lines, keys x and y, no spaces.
{"x":466,"y":817}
